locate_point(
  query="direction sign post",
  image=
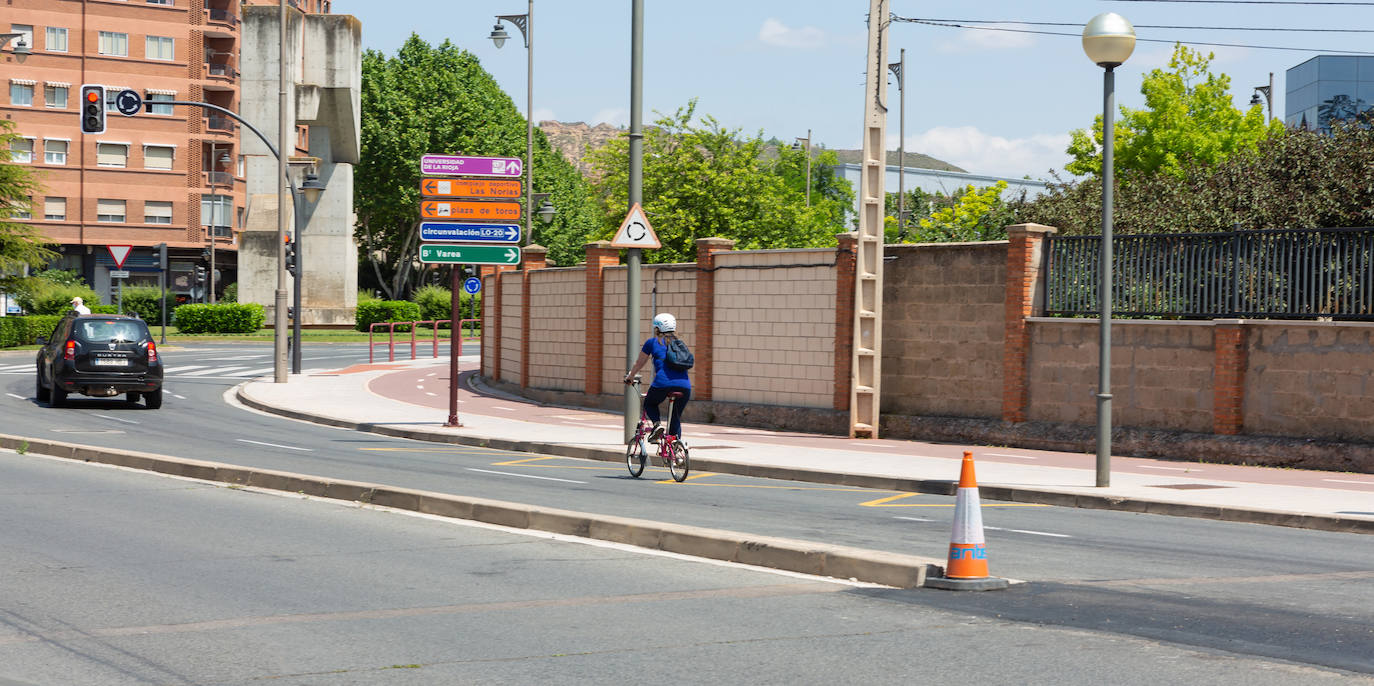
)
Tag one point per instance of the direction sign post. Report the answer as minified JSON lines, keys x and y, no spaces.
{"x":432,"y":253}
{"x":470,"y":188}
{"x":472,"y":233}
{"x":460,"y":165}
{"x":476,"y":210}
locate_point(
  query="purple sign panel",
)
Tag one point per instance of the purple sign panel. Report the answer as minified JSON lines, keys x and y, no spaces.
{"x":457,"y":165}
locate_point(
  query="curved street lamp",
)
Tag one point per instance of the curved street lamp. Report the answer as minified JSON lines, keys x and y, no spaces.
{"x":21,"y":49}
{"x":524,"y":22}
{"x":1108,"y":40}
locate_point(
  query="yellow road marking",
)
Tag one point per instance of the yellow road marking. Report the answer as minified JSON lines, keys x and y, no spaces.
{"x":889,"y":502}
{"x":451,"y":451}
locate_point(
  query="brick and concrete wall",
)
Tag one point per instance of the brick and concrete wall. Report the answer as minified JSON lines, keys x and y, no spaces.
{"x":943,"y":329}
{"x":557,"y":329}
{"x":1310,"y":379}
{"x":676,"y":286}
{"x":775,"y":328}
{"x":512,"y":336}
{"x":1162,"y":373}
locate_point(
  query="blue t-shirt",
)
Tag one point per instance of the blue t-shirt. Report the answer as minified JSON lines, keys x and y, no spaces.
{"x":665,"y":377}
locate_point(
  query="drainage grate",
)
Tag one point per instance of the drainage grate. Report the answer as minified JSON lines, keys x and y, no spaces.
{"x":1188,"y":487}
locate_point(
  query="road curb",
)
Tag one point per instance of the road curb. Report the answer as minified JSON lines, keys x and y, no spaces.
{"x":806,"y":557}
{"x":1296,"y":520}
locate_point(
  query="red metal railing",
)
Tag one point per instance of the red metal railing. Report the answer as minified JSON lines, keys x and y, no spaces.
{"x":434,"y":326}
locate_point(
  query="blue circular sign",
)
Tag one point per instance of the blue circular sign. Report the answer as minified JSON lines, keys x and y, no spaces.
{"x":472,"y":285}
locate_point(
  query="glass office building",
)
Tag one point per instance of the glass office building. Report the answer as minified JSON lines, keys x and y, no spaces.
{"x":1326,"y":88}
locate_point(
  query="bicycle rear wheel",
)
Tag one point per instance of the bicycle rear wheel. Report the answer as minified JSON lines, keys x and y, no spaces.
{"x":634,"y":457}
{"x":677,"y":461}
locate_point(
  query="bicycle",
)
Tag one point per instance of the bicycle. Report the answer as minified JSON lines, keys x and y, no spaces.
{"x":671,"y":450}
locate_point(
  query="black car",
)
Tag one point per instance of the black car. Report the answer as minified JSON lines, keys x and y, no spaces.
{"x":100,"y":355}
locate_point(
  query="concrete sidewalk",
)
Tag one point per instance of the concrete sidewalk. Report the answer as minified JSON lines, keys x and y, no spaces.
{"x":410,"y":399}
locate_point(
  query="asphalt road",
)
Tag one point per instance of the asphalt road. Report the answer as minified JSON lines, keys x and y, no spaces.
{"x":117,"y":577}
{"x":1283,"y":593}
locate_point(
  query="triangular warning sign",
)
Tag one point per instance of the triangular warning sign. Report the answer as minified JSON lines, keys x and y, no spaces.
{"x":635,"y":232}
{"x":119,"y":253}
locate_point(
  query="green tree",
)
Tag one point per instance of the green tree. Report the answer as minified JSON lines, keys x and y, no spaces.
{"x":20,"y":244}
{"x":440,"y":100}
{"x":1188,"y":116}
{"x":702,"y":180}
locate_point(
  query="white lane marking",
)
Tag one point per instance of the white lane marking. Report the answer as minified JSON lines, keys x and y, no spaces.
{"x":505,"y":409}
{"x":116,"y":419}
{"x":184,"y":368}
{"x":1336,"y":481}
{"x":433,"y":374}
{"x":275,"y":445}
{"x":527,"y":476}
{"x":88,"y":431}
{"x":218,"y":371}
{"x":17,"y":368}
{"x":1024,"y":531}
{"x":20,"y":397}
{"x":1171,"y":469}
{"x":1019,"y":457}
{"x":598,"y":426}
{"x":256,"y":372}
{"x":238,"y":358}
{"x":178,"y":397}
{"x":429,"y":393}
{"x":915,"y":519}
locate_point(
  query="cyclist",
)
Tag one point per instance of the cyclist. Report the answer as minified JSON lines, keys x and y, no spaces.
{"x":666,"y":379}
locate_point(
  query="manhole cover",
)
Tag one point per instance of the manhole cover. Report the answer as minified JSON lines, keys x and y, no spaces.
{"x":1188,"y":487}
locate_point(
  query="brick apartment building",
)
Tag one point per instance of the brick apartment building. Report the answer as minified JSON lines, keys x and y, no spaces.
{"x":174,"y":175}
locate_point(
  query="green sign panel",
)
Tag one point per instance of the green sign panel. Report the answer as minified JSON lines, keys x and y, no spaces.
{"x":431,"y":253}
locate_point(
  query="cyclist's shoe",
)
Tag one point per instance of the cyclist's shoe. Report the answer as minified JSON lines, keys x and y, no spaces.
{"x":656,"y":434}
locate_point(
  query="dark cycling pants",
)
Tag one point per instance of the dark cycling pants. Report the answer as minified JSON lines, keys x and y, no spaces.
{"x":656,"y":395}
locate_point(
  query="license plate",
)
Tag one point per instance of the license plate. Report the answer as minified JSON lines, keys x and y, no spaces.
{"x":111,"y":362}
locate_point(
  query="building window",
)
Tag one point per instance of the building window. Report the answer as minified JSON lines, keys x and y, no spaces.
{"x":158,"y":156}
{"x":109,"y":210}
{"x":22,"y":210}
{"x":21,"y":150}
{"x":168,"y":3}
{"x":55,"y":151}
{"x":157,"y":212}
{"x":114,"y":43}
{"x":56,"y":39}
{"x":27,"y":34}
{"x":21,"y":94}
{"x":112,"y":154}
{"x":55,"y":209}
{"x":55,"y":97}
{"x":159,"y":48}
{"x":161,"y":109}
{"x":216,"y":210}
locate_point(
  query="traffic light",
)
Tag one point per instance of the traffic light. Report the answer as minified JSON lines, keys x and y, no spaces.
{"x":291,"y":256}
{"x":161,"y":256}
{"x":92,"y":109}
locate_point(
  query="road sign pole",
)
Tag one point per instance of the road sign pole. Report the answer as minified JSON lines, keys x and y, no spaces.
{"x":455,"y":341}
{"x":636,"y":191}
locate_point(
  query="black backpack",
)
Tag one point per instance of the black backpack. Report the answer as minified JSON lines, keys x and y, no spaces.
{"x":678,"y":356}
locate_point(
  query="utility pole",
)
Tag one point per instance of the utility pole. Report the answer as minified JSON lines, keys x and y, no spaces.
{"x":636,"y":196}
{"x":866,"y":363}
{"x":279,"y":299}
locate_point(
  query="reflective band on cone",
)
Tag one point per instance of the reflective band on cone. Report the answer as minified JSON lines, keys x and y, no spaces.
{"x":967,"y":566}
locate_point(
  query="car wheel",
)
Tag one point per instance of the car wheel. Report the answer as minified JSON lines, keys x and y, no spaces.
{"x":153,"y":399}
{"x":40,"y":391}
{"x":58,"y":396}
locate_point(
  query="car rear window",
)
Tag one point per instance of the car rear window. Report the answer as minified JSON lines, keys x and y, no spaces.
{"x":110,"y":330}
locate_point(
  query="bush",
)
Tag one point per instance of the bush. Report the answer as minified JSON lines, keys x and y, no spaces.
{"x":436,"y":302}
{"x":374,"y":311}
{"x":16,"y":331}
{"x":43,"y":296}
{"x":365,"y":296}
{"x":145,"y":302}
{"x":222,"y":318}
{"x":231,"y":293}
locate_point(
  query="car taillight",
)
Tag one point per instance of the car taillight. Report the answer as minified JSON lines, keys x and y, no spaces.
{"x":69,"y":352}
{"x":152,"y":352}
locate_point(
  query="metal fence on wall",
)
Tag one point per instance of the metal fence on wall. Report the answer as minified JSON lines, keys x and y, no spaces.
{"x":1286,"y":273}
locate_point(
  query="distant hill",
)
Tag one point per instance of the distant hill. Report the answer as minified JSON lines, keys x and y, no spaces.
{"x":574,"y":139}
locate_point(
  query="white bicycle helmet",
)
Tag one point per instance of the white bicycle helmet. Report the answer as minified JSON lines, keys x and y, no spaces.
{"x":665,"y":323}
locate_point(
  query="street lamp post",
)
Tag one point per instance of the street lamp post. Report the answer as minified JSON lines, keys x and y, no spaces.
{"x":525,"y":22}
{"x":1268,"y":92}
{"x":21,"y":49}
{"x":309,"y":191}
{"x":798,"y":146}
{"x":1108,"y":40}
{"x":898,"y":69}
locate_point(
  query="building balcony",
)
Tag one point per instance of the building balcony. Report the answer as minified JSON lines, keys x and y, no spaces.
{"x":217,"y":178}
{"x":221,"y":70}
{"x":219,"y":125}
{"x":221,"y":18}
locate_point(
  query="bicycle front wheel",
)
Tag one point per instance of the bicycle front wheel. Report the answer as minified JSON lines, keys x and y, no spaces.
{"x":634,"y":457}
{"x":677,"y":461}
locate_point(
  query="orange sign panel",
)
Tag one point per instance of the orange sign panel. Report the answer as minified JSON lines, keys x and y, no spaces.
{"x":469,"y":210}
{"x":470,"y":188}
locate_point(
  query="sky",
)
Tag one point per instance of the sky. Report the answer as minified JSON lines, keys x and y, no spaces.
{"x":991,"y":102}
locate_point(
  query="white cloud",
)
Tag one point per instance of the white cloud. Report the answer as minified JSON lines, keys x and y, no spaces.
{"x":982,"y":153}
{"x":614,"y":116}
{"x":779,"y":35}
{"x":983,"y":40}
{"x":543,"y":114}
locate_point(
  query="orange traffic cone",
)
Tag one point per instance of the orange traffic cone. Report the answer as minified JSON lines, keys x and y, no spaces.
{"x":967,"y":567}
